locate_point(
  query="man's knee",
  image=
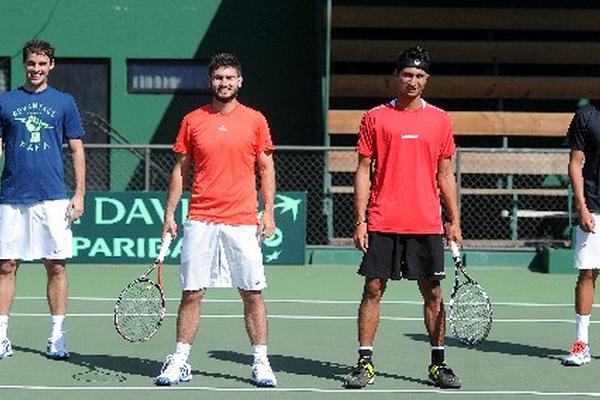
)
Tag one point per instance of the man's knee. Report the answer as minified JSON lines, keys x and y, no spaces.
{"x":587,"y":275}
{"x":374,"y":289}
{"x":55,"y":267}
{"x":191,"y":296}
{"x":252,"y":296}
{"x":431,"y":291}
{"x":8,"y":267}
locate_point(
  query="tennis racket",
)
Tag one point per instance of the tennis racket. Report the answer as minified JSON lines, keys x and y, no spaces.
{"x":140,"y":308}
{"x":470,"y":306}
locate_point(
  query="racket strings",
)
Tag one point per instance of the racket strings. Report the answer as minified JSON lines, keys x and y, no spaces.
{"x":471,"y":314}
{"x":140,"y":311}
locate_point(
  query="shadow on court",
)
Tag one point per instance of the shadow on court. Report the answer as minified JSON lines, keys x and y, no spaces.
{"x":495,"y":346}
{"x":304,"y":366}
{"x":102,"y":368}
{"x":105,"y":368}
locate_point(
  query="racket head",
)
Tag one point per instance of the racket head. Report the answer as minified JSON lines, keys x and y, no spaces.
{"x":139,"y":310}
{"x":470,"y":314}
{"x":140,"y":307}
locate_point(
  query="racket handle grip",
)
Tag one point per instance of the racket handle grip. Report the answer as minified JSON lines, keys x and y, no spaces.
{"x":454,"y":249}
{"x":164,"y":248}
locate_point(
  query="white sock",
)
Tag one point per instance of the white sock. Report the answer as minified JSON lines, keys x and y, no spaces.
{"x":182,"y":350}
{"x":583,"y":324}
{"x":58,"y":325}
{"x":259,"y":352}
{"x":3,"y":327}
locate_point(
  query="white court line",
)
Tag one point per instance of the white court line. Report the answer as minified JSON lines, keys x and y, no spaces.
{"x":313,"y":317}
{"x":300,"y":301}
{"x":307,"y":390}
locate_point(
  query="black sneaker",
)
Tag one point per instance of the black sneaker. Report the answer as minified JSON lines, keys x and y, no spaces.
{"x":443,"y":377}
{"x":362,"y":374}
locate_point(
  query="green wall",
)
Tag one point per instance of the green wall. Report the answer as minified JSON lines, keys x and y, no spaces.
{"x":277,"y":41}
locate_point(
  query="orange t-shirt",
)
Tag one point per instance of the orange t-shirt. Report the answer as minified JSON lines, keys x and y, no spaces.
{"x":223,"y":150}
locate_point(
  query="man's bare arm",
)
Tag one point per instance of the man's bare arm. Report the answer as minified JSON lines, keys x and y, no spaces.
{"x":447,"y":185}
{"x":77,"y":202}
{"x":266,"y":169}
{"x":362,"y":190}
{"x":586,"y":220}
{"x":179,"y":176}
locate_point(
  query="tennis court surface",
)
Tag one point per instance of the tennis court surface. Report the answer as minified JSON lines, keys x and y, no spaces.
{"x":312,"y":342}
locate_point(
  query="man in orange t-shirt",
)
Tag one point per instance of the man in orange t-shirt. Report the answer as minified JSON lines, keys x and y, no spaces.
{"x":224,"y":141}
{"x":405,"y":149}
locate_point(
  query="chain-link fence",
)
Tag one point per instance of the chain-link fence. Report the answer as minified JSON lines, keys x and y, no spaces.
{"x":507,"y":197}
{"x":514,"y":197}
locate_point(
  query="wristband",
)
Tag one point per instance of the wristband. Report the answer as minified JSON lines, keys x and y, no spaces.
{"x":359,"y":223}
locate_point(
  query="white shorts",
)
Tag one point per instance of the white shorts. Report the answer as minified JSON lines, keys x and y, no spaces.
{"x":220,"y":255}
{"x":587,"y":247}
{"x":35,"y":231}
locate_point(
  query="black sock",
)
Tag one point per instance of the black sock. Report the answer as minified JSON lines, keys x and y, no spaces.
{"x":437,"y":356}
{"x":367,"y":354}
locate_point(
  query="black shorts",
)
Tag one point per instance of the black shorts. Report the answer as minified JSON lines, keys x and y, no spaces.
{"x":395,"y":256}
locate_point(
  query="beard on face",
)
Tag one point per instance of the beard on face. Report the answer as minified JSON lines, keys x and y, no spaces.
{"x":222,"y":99}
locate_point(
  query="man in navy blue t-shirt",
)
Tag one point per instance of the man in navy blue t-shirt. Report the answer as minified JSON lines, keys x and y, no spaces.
{"x":35,"y":213}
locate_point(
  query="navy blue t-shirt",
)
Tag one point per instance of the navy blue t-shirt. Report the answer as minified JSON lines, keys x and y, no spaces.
{"x":33,"y":127}
{"x":584,"y":135}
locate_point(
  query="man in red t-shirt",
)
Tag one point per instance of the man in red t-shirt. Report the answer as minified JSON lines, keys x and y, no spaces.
{"x":405,"y":149}
{"x":224,"y":141}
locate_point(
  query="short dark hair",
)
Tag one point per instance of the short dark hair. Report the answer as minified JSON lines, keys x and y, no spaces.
{"x":415,"y":57}
{"x":224,"y":60}
{"x":38,"y":47}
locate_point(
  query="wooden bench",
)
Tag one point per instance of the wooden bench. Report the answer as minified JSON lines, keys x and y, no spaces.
{"x":452,"y":51}
{"x":465,"y":123}
{"x":342,"y":162}
{"x":515,"y":162}
{"x":468,"y":70}
{"x":548,"y":61}
{"x":470,"y":86}
{"x":511,"y":164}
{"x":480,"y":162}
{"x":484,"y":18}
{"x":501,"y":163}
{"x":521,"y":186}
{"x":504,"y":166}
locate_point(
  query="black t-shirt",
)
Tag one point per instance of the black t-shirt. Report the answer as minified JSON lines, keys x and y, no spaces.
{"x":584,"y":135}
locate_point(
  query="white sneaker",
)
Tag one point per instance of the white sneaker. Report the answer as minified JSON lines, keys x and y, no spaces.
{"x":174,"y":371}
{"x":57,"y":349}
{"x":580,"y":354}
{"x":262,"y":374}
{"x":5,"y":349}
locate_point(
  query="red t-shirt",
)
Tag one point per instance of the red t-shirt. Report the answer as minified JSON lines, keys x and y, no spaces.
{"x":405,"y":146}
{"x":224,"y":149}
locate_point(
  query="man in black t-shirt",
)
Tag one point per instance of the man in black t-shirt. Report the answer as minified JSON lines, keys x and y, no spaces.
{"x":583,"y":138}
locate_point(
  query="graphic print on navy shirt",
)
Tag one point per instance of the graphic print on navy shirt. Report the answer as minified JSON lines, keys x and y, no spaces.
{"x":32,"y":128}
